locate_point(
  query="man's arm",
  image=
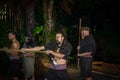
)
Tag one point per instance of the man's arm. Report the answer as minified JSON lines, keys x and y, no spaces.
{"x":59,"y":55}
{"x":37,"y":48}
{"x":66,"y":51}
{"x":85,"y":48}
{"x":84,"y":54}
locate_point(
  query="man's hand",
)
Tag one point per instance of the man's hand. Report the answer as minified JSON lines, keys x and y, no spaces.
{"x":6,"y":49}
{"x":78,"y":55}
{"x":22,"y":50}
{"x":49,"y":52}
{"x":78,"y":48}
{"x":59,"y":55}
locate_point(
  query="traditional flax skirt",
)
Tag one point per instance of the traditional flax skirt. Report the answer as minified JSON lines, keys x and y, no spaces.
{"x":58,"y":72}
{"x":86,"y":66}
{"x":14,"y":68}
{"x":28,"y":66}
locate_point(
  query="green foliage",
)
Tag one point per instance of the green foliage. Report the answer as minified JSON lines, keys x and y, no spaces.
{"x":38,"y":35}
{"x":52,"y":35}
{"x":70,"y":58}
{"x":22,"y":38}
{"x":37,"y":29}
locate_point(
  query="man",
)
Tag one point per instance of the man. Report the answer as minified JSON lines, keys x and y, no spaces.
{"x":58,"y":52}
{"x":87,"y":49}
{"x":28,"y":60}
{"x":14,"y":68}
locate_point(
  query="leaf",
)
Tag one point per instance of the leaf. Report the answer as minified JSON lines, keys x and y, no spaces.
{"x":37,"y":29}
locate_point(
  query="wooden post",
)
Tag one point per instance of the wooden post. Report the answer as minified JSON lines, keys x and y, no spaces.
{"x":80,"y":22}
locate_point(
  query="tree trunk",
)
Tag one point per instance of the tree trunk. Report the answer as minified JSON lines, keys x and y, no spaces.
{"x":29,"y":6}
{"x":30,"y":20}
{"x":48,"y":18}
{"x":50,"y":15}
{"x":14,"y":15}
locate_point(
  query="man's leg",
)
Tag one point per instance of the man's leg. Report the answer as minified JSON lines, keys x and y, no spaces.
{"x":86,"y":68}
{"x":89,"y":78}
{"x":33,"y":77}
{"x":15,"y":78}
{"x":57,"y":75}
{"x":28,"y":68}
{"x":14,"y":69}
{"x":89,"y":69}
{"x":64,"y":75}
{"x":51,"y":75}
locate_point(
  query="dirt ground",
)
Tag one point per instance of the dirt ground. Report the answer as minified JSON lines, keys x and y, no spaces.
{"x":74,"y":73}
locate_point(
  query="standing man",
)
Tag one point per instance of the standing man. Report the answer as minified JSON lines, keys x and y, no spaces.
{"x":28,"y":60}
{"x":58,"y":52}
{"x":14,"y":68}
{"x":87,"y":49}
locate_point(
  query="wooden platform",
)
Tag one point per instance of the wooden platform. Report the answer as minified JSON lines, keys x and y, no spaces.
{"x":107,"y":68}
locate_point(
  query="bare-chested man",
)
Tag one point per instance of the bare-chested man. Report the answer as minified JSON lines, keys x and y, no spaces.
{"x":14,"y":68}
{"x":58,"y":51}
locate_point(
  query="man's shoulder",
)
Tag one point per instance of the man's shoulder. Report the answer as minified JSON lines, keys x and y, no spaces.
{"x":67,"y":44}
{"x":90,"y":37}
{"x":50,"y":45}
{"x":16,"y":42}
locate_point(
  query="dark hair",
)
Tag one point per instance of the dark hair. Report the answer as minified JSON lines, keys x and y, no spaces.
{"x":85,"y":28}
{"x":11,"y":32}
{"x":31,"y":41}
{"x":63,"y":35}
{"x":14,"y":33}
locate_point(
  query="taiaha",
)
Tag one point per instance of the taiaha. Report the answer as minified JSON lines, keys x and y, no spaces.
{"x":13,"y":50}
{"x":80,"y":22}
{"x":79,"y":30}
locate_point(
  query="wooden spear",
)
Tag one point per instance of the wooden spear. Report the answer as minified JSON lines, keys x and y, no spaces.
{"x":80,"y":22}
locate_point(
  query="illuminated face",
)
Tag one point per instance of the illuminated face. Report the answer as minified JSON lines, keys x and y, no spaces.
{"x":84,"y":33}
{"x":11,"y":36}
{"x":59,"y":38}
